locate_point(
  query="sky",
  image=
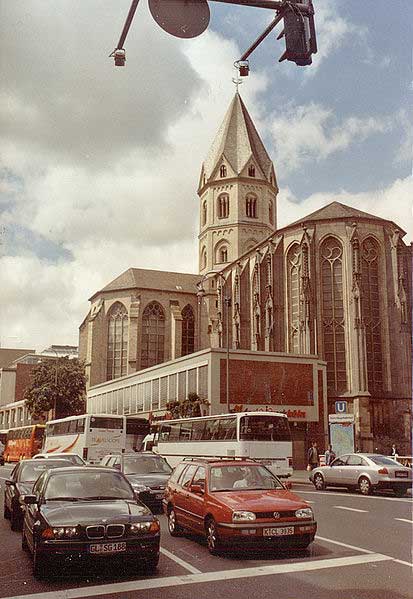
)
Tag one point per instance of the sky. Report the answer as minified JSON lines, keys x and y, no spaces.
{"x":99,"y":165}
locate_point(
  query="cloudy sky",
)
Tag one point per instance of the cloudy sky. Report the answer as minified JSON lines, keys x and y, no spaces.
{"x":99,"y":165}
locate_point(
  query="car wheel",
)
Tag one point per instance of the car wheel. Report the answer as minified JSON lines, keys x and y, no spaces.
{"x":39,"y":564}
{"x":15,"y":518}
{"x":400,"y":491}
{"x":212,"y":536}
{"x":365,"y":486}
{"x":319,"y":482}
{"x":174,"y":529}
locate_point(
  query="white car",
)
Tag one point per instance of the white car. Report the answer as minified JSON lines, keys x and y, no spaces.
{"x":73,"y":457}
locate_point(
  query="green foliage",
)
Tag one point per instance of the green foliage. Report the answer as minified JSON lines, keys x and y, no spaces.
{"x":57,"y":384}
{"x":189,"y":408}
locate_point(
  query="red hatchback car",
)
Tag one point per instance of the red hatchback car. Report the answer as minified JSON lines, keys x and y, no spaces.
{"x":235,"y":504}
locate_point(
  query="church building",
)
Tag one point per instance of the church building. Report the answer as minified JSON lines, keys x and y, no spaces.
{"x":293,"y":319}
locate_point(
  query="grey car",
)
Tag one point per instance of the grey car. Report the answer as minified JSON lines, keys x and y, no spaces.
{"x":365,"y":472}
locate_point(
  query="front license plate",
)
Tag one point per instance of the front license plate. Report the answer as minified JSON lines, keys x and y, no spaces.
{"x":401,"y":474}
{"x":103,"y":548}
{"x":278,"y":532}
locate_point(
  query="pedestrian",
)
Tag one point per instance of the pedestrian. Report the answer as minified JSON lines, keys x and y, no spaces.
{"x":330,"y":455}
{"x":312,"y":456}
{"x":394,"y":451}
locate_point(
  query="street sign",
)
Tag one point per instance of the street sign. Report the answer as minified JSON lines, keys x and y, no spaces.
{"x":341,"y":407}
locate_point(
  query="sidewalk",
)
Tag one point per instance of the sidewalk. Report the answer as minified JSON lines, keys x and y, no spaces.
{"x":300,"y":476}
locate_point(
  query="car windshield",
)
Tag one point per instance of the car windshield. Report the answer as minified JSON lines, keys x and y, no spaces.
{"x":383,"y":460}
{"x":145,"y":465}
{"x":247,"y":478}
{"x":31,"y":471}
{"x":72,"y":486}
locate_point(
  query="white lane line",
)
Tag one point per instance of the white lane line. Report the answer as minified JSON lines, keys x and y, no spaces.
{"x":205,"y":577}
{"x":404,"y":520}
{"x":345,"y":496}
{"x":180,"y":561}
{"x":350,"y":509}
{"x":399,"y":561}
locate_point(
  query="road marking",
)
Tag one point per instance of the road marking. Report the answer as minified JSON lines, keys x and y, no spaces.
{"x":350,"y":509}
{"x":344,"y":495}
{"x":205,"y":577}
{"x":180,"y":561}
{"x":404,"y":520}
{"x":344,"y":545}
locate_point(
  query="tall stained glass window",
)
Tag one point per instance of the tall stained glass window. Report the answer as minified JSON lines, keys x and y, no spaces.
{"x":153,"y":335}
{"x":188,"y":330}
{"x":370,"y":305}
{"x":117,"y":345}
{"x":293,"y":290}
{"x":333,"y":313}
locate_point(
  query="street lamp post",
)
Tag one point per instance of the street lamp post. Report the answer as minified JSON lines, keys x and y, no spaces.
{"x":55,"y":381}
{"x":227,"y":302}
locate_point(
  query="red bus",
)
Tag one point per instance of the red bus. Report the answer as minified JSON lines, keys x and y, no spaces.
{"x":23,"y":442}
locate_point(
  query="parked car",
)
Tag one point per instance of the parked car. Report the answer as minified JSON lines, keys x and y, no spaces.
{"x":21,"y":481}
{"x":147,"y":472}
{"x":88,"y":514}
{"x":236,"y":503}
{"x":365,"y":472}
{"x":74,"y":458}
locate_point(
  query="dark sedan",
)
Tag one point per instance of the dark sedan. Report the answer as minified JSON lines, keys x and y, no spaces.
{"x":21,"y":481}
{"x":148,"y":474}
{"x":88,"y":514}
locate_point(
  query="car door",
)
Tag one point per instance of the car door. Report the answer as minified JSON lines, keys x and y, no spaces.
{"x":352,"y":470}
{"x":181,"y":498}
{"x":195,"y":501}
{"x":10,"y":487}
{"x":31,"y":511}
{"x":335,"y":473}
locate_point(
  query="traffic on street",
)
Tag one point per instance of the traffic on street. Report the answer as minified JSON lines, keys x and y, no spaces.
{"x":362,"y":549}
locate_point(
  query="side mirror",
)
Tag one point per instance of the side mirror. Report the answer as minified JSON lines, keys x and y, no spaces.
{"x":197,"y":489}
{"x":288,"y":485}
{"x":29,"y":499}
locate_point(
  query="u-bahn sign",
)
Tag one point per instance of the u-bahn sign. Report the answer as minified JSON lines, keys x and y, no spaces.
{"x":341,"y":407}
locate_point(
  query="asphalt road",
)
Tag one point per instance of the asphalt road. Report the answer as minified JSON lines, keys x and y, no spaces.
{"x":363,"y":550}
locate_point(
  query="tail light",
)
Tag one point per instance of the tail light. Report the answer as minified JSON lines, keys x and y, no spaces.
{"x":290,"y":462}
{"x":155,"y":527}
{"x":383,"y":471}
{"x":85,"y":452}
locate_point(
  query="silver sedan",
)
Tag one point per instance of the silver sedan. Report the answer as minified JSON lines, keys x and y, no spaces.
{"x":365,"y":471}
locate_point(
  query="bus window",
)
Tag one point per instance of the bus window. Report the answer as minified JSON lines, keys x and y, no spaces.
{"x":211,"y":432}
{"x":256,"y":428}
{"x":38,"y":432}
{"x":80,"y":425}
{"x":104,"y":422}
{"x":174,"y":432}
{"x":72,"y":427}
{"x":228,"y":429}
{"x":164,"y":432}
{"x":198,"y":428}
{"x":185,"y":433}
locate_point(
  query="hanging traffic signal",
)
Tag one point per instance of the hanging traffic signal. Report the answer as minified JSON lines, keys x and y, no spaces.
{"x":299,"y":33}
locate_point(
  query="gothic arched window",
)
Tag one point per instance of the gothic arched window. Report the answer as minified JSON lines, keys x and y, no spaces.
{"x":251,"y":170}
{"x":223,"y":171}
{"x":293,"y":290}
{"x":188,"y":330}
{"x":153,"y":335}
{"x":203,"y":258}
{"x":223,"y":205}
{"x":221,"y":254}
{"x":251,"y":206}
{"x":370,"y":306}
{"x":117,"y":345}
{"x":331,"y":259}
{"x":204,"y":213}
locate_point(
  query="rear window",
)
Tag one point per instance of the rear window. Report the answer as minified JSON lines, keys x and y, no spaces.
{"x":32,"y":471}
{"x":145,"y":465}
{"x":104,"y":422}
{"x":264,"y":428}
{"x":383,"y":460}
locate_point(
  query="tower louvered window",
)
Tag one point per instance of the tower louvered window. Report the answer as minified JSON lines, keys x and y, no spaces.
{"x":333,"y":313}
{"x":188,"y":330}
{"x":117,"y":346}
{"x":153,"y":335}
{"x":251,"y":170}
{"x":223,"y":171}
{"x":371,"y":312}
{"x":223,"y":205}
{"x":293,"y":290}
{"x":251,"y":206}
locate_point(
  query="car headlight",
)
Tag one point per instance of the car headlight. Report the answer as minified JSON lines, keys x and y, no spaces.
{"x":140,"y":488}
{"x":143,"y":527}
{"x":243,"y":516}
{"x":60,"y":532}
{"x":305,"y":512}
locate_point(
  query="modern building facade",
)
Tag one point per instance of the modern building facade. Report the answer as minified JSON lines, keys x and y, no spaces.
{"x":333,"y":287}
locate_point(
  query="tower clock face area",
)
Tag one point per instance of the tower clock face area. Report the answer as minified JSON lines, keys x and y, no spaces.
{"x":237,"y":191}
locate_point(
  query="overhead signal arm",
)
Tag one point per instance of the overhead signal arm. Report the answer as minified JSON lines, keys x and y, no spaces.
{"x":119,"y":53}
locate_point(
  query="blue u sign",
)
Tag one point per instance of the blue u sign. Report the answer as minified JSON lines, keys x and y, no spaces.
{"x":341,"y":407}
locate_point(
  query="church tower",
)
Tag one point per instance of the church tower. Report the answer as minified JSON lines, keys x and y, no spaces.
{"x":237,"y":191}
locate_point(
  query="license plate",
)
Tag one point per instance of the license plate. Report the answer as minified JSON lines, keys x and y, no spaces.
{"x":278,"y":532}
{"x":401,"y":474}
{"x":103,"y":548}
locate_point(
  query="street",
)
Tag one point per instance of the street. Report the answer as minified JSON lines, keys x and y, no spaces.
{"x":363,"y":550}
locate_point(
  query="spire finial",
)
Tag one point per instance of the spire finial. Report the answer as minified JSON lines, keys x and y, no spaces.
{"x":237,"y":81}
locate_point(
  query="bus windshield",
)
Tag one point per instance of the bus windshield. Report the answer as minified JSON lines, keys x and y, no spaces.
{"x":266,"y":428}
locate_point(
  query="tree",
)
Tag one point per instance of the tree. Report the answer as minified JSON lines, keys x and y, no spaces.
{"x":189,"y":408}
{"x":58,"y":385}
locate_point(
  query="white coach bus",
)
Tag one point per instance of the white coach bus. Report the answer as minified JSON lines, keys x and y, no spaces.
{"x":90,"y":436}
{"x":264,"y":436}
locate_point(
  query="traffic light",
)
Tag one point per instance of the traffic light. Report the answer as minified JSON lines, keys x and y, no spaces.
{"x":299,"y":33}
